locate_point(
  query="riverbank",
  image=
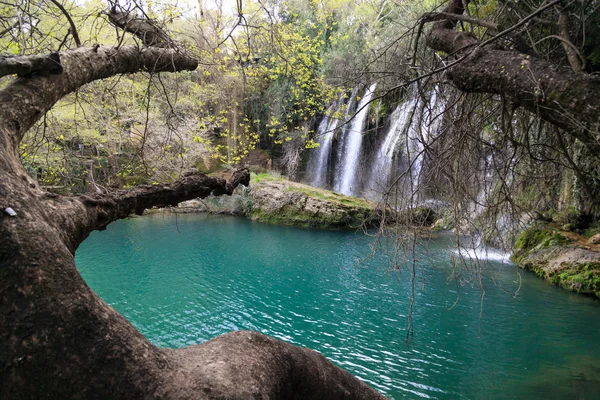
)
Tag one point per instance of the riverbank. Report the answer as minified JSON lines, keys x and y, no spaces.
{"x":272,"y":199}
{"x":290,"y":203}
{"x":276,"y":200}
{"x":561,"y":257}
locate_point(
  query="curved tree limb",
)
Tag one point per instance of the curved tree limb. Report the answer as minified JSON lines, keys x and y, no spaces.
{"x":439,"y":16}
{"x":560,"y":96}
{"x":59,"y":339}
{"x":26,"y":100}
{"x":146,"y":30}
{"x":78,"y":216}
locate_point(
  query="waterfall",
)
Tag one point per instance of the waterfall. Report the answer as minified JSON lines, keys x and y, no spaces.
{"x":341,"y":146}
{"x":383,"y":162}
{"x":351,"y":155}
{"x":401,"y":152}
{"x":321,"y":158}
{"x":425,"y":124}
{"x":339,"y":161}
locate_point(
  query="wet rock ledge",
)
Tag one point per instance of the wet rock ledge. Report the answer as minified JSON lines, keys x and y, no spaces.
{"x":275,"y":200}
{"x":561,"y":257}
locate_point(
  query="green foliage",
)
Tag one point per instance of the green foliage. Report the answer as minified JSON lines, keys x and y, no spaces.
{"x":331,"y":196}
{"x":538,"y":238}
{"x":264,"y":176}
{"x":585,"y":279}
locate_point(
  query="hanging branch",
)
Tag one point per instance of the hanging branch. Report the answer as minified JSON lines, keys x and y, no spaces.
{"x":73,"y":29}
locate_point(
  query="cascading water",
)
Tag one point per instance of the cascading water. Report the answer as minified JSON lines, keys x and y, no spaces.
{"x":320,"y":160}
{"x":349,"y":161}
{"x":396,"y":155}
{"x":341,"y":147}
{"x":399,"y":153}
{"x":425,"y":124}
{"x":382,"y":164}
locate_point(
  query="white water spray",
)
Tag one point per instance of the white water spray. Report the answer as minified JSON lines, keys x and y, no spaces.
{"x":352,"y":152}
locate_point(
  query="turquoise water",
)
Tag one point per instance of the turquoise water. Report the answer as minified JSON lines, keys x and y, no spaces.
{"x":186,"y":279}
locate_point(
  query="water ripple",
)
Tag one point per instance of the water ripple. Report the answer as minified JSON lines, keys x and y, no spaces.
{"x":219,"y":274}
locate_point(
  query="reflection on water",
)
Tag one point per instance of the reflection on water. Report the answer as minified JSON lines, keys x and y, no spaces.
{"x":185,"y":280}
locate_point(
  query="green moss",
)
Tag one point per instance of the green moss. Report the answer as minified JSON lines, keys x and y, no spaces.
{"x":534,"y":239}
{"x":569,"y":215}
{"x":582,"y":279}
{"x":264,"y":176}
{"x":539,"y":238}
{"x":331,"y":196}
{"x":342,"y":212}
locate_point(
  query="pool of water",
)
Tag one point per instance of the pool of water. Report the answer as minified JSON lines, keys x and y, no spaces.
{"x":185,"y":279}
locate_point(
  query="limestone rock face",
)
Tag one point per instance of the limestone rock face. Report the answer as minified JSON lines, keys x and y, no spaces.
{"x":293,"y":203}
{"x":560,"y":257}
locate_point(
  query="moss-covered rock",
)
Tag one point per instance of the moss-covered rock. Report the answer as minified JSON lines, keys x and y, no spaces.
{"x":290,"y":203}
{"x":445,"y":222}
{"x":537,"y":238}
{"x":560,"y":258}
{"x":273,"y":199}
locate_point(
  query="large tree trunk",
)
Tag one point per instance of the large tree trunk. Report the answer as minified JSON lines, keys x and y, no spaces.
{"x":567,"y":99}
{"x":58,"y":338}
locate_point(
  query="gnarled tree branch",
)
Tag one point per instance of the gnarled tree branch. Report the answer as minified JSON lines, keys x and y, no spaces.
{"x":26,"y":100}
{"x":78,"y":216}
{"x":439,"y":16}
{"x":560,"y":96}
{"x":148,"y":31}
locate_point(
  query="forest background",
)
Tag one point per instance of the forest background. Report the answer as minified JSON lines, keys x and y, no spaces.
{"x":268,"y":72}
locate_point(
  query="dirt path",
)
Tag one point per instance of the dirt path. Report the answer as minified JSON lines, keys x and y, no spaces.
{"x":580,"y":240}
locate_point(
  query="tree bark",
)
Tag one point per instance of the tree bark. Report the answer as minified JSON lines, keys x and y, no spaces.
{"x":30,"y":65}
{"x":28,"y":99}
{"x":567,"y":99}
{"x":148,"y":31}
{"x":58,"y":338}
